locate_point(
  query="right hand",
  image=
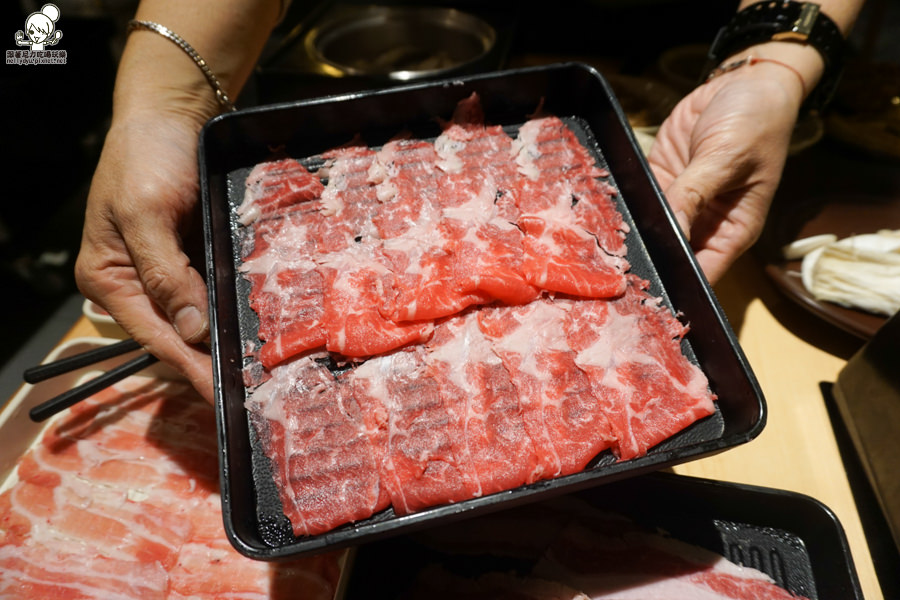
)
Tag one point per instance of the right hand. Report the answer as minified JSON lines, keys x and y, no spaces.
{"x":142,"y":206}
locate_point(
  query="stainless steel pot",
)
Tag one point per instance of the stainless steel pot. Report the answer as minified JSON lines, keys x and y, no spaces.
{"x":397,"y":42}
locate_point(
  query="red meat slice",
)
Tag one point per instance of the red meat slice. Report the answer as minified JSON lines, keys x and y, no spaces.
{"x":290,"y":317}
{"x":410,"y":427}
{"x":288,"y":290}
{"x":285,"y":290}
{"x":558,"y":171}
{"x":275,"y":186}
{"x":471,"y":257}
{"x":567,"y":259}
{"x":574,"y":235}
{"x":469,"y":147}
{"x":322,"y":459}
{"x":478,"y":211}
{"x":630,"y":348}
{"x":349,"y":199}
{"x":596,"y":212}
{"x":462,"y":251}
{"x":405,"y":176}
{"x":421,"y":249}
{"x":356,"y":284}
{"x":491,"y":260}
{"x":566,"y":424}
{"x":487,"y":428}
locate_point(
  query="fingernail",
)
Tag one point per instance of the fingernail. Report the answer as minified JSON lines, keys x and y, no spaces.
{"x":189,"y":323}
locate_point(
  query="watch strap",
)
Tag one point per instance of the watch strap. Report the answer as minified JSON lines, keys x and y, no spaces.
{"x":785,"y":20}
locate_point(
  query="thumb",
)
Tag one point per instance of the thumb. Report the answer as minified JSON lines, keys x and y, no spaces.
{"x":169,"y":280}
{"x":692,"y":190}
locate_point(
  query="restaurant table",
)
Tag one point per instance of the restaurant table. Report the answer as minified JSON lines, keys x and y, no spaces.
{"x":791,"y":352}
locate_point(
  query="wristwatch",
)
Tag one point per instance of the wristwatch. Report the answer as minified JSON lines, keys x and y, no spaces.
{"x":785,"y":20}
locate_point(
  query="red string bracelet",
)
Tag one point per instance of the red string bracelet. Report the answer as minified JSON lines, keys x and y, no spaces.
{"x":752,"y":60}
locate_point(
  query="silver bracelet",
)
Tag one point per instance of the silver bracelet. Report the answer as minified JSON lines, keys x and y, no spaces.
{"x":167,"y":33}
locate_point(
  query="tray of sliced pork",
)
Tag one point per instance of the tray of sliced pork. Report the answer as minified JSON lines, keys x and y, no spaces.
{"x":447,"y":298}
{"x":655,"y":536}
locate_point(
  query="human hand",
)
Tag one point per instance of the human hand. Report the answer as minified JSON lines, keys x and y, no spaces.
{"x":719,"y":158}
{"x":141,"y":210}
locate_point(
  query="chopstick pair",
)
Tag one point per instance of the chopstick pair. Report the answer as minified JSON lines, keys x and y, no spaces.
{"x":39,"y":373}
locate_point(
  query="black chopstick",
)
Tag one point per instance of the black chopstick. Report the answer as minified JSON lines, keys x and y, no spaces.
{"x":63,"y":401}
{"x":95,"y":355}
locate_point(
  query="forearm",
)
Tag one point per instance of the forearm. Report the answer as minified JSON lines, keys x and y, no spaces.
{"x":155,"y":73}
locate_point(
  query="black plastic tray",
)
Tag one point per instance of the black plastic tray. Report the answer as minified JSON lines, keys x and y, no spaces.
{"x":230,"y":145}
{"x":793,"y":538}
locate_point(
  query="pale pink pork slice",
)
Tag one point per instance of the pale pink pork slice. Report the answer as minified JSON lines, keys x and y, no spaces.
{"x":119,"y":500}
{"x":610,"y":558}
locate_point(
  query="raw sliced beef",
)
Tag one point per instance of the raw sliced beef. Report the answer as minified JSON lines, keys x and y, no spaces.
{"x":412,"y":430}
{"x":486,"y":420}
{"x":630,"y":349}
{"x":565,"y":258}
{"x":323,"y":461}
{"x":559,"y":169}
{"x":405,"y":177}
{"x":291,"y":322}
{"x":356,"y":284}
{"x":574,"y":235}
{"x":286,"y":291}
{"x":564,"y":420}
{"x":288,"y":287}
{"x":276,"y":186}
{"x":477,"y":289}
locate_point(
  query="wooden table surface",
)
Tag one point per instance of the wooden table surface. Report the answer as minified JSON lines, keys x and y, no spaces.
{"x":791,"y":352}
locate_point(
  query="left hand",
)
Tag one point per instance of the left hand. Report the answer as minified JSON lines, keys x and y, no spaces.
{"x":719,"y":158}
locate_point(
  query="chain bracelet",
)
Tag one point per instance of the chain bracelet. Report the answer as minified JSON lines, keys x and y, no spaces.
{"x":167,"y":33}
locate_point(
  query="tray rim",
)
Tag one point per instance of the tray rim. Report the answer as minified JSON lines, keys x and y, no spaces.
{"x":614,"y":472}
{"x":821,"y":521}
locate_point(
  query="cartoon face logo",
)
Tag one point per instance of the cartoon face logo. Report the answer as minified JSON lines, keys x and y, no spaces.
{"x":40,"y":28}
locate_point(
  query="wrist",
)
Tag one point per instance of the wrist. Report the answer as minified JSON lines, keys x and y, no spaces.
{"x":155,"y":76}
{"x":785,"y":24}
{"x":797,"y":68}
